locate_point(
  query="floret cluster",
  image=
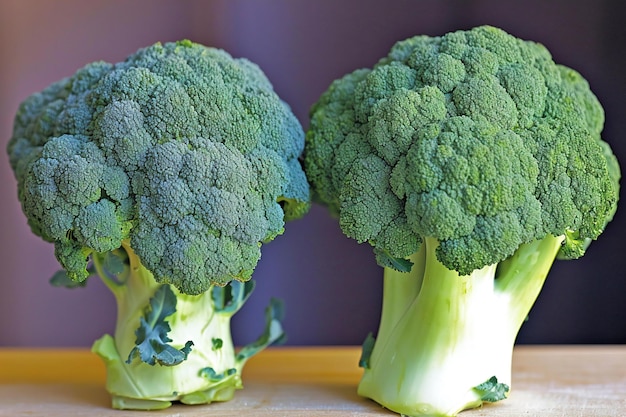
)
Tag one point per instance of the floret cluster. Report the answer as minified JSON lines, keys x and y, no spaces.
{"x":181,"y":149}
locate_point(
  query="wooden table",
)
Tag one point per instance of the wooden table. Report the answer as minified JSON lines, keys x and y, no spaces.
{"x":567,"y":381}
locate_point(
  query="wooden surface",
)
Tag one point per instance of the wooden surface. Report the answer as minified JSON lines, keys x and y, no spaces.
{"x":572,"y":381}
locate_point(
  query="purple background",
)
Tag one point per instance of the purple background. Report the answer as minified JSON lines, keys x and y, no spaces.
{"x":331,"y":285}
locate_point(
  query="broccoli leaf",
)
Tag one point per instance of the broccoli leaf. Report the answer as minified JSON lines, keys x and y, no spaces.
{"x":115,"y":262}
{"x":213,"y":376}
{"x":366,"y":351}
{"x":60,"y":279}
{"x":229,"y":298}
{"x":385,"y":259}
{"x":152,"y":341}
{"x":217,"y":343}
{"x":491,"y":390}
{"x":273,"y":331}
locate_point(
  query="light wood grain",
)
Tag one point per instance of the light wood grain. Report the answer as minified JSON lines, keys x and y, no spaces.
{"x":584,"y":381}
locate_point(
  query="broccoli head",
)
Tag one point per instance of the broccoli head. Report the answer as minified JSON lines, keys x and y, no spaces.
{"x":469,"y":162}
{"x":180,"y":149}
{"x":475,"y":138}
{"x":163,"y":175}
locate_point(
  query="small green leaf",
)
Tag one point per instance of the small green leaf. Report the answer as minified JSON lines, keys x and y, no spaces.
{"x":491,"y":390}
{"x":211,"y":375}
{"x":113,"y":264}
{"x":217,"y":343}
{"x":152,"y":341}
{"x":385,"y":260}
{"x":231,"y":297}
{"x":61,"y":279}
{"x":273,"y":333}
{"x":366,"y":351}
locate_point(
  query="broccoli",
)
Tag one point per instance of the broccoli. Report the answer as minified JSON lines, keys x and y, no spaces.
{"x":469,"y":162}
{"x":163,"y":175}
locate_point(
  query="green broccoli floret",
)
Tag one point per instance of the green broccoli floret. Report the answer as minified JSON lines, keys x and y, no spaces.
{"x":469,"y":162}
{"x":180,"y":162}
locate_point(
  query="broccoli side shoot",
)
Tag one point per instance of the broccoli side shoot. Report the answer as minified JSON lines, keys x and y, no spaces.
{"x":469,"y":162}
{"x":181,"y":161}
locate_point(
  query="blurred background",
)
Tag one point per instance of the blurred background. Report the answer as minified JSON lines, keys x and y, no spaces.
{"x":330,"y":284}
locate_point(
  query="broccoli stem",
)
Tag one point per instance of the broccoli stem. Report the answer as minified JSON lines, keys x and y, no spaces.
{"x":442,"y":335}
{"x":400,"y":289}
{"x":135,"y":384}
{"x":522,"y":275}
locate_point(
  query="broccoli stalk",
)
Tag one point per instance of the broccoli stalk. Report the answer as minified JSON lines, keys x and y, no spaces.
{"x":151,"y":359}
{"x":444,"y":372}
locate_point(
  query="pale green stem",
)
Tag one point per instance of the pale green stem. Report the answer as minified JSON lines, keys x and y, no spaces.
{"x":457,"y":333}
{"x":522,"y":276}
{"x":399,"y":291}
